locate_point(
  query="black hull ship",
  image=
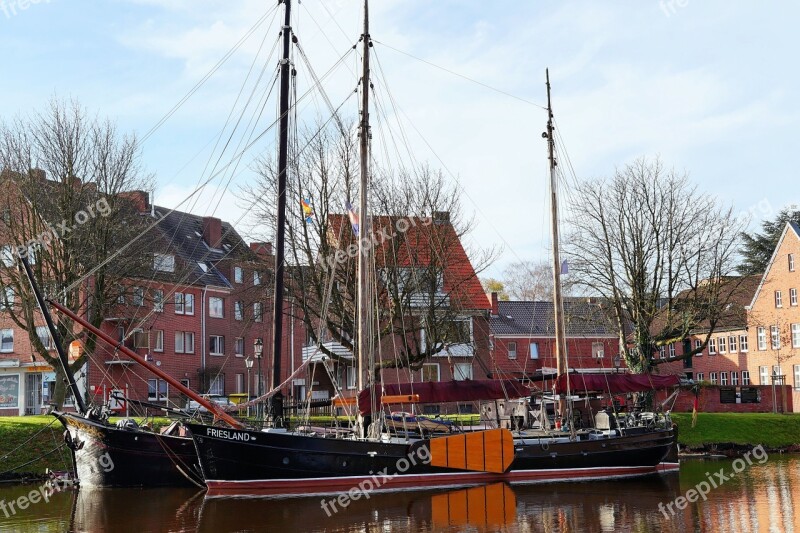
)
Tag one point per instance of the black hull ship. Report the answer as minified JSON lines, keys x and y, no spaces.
{"x":278,"y":463}
{"x":110,"y":456}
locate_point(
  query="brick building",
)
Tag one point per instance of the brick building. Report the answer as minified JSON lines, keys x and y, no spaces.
{"x":523,"y":335}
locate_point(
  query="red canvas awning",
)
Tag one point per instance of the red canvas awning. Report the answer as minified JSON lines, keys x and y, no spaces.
{"x":614,"y":383}
{"x":449,"y":391}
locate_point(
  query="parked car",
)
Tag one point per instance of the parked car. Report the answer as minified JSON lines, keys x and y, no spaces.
{"x":223,"y":401}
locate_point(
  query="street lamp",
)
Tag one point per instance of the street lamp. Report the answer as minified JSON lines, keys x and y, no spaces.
{"x":249,"y":364}
{"x":617,"y":363}
{"x":258,"y":347}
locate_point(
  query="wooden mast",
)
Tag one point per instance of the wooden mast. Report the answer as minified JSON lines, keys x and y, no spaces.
{"x":276,"y":402}
{"x":558,"y":302}
{"x":362,"y":340}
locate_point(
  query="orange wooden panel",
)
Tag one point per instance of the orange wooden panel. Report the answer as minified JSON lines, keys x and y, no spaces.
{"x":400,"y":398}
{"x":481,"y":451}
{"x":476,"y":451}
{"x":344,"y":402}
{"x":476,"y":506}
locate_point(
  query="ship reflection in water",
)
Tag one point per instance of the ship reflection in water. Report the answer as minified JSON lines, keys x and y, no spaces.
{"x":757,"y":499}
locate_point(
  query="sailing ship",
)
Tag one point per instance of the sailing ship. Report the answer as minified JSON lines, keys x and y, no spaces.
{"x":283,"y":462}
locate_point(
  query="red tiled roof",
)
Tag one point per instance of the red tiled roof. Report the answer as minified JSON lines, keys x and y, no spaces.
{"x":424,"y":242}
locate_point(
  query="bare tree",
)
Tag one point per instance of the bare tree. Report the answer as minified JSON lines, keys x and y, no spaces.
{"x":529,"y":281}
{"x":659,"y":251}
{"x":62,"y":175}
{"x":416,"y":234}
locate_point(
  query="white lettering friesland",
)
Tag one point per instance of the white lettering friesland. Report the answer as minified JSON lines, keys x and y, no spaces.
{"x":226,"y":434}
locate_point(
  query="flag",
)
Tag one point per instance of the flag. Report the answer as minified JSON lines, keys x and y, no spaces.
{"x":564,"y":267}
{"x":308,"y":211}
{"x":695,"y":406}
{"x":354,"y":220}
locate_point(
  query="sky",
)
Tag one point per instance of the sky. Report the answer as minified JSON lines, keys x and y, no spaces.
{"x":705,"y":86}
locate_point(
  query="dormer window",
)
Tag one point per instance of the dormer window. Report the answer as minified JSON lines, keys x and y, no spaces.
{"x":163,"y":263}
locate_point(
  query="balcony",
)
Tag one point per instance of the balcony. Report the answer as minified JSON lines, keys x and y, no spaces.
{"x":317,"y":355}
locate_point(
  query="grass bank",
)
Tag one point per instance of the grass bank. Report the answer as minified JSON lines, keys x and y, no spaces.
{"x":31,"y":444}
{"x":743,"y":429}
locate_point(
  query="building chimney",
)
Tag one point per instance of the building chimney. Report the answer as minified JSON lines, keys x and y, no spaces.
{"x":495,"y":304}
{"x":441,"y":217}
{"x":139,"y":199}
{"x":212,"y":231}
{"x":261,"y":248}
{"x":38,"y":174}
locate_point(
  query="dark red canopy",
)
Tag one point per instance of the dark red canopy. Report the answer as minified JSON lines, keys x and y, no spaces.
{"x":614,"y":382}
{"x":449,"y":391}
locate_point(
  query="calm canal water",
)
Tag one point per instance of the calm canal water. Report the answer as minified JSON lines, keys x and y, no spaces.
{"x":757,"y":499}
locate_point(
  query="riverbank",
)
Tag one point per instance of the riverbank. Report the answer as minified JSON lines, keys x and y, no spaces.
{"x":723,"y":432}
{"x":31,"y":445}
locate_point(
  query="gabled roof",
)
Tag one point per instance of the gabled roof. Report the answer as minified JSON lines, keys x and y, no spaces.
{"x":425,"y":241}
{"x":789,"y":225}
{"x":583,"y":318}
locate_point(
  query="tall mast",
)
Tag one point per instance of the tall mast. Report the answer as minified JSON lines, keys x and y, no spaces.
{"x":62,"y":357}
{"x":276,"y":404}
{"x":558,"y":302}
{"x":363,"y":215}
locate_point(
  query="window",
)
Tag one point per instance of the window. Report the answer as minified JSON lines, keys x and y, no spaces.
{"x":240,"y":383}
{"x":158,"y":300}
{"x":430,"y":372}
{"x":732,"y":344}
{"x":238,"y":311}
{"x":778,"y":299}
{"x":7,"y":298}
{"x":723,"y":345}
{"x":239,"y":347}
{"x":217,"y":385}
{"x":189,"y":299}
{"x":598,"y":350}
{"x":697,"y":345}
{"x":258,"y":313}
{"x":238,"y":275}
{"x":762,"y":338}
{"x":163,"y":263}
{"x":215,"y":306}
{"x":791,"y":262}
{"x":743,"y":343}
{"x":712,"y":377}
{"x":795,"y":335}
{"x":216,"y":345}
{"x":185,"y":382}
{"x":745,"y":377}
{"x":180,"y":306}
{"x":796,"y":377}
{"x":352,"y":374}
{"x":138,"y":296}
{"x":793,"y":297}
{"x":775,"y":336}
{"x":157,"y":390}
{"x":256,"y":278}
{"x":462,"y":371}
{"x":141,"y":339}
{"x":763,"y":375}
{"x":661,"y":352}
{"x":184,"y":342}
{"x":734,"y":378}
{"x":534,"y":350}
{"x":158,"y":341}
{"x":44,"y":337}
{"x":700,"y":376}
{"x":512,"y":350}
{"x":723,"y":378}
{"x":121,"y":297}
{"x":7,"y":254}
{"x":777,"y":370}
{"x":672,"y":350}
{"x":712,"y":346}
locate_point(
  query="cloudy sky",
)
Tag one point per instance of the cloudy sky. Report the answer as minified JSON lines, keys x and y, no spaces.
{"x":704,"y":85}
